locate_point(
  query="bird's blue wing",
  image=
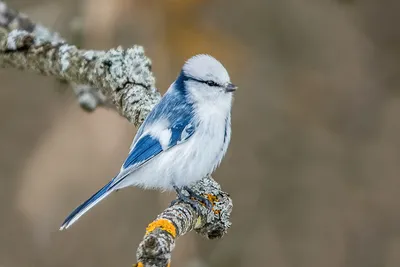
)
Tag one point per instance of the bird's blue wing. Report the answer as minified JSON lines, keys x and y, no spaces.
{"x":181,"y":131}
{"x":145,"y":149}
{"x":178,"y":113}
{"x":173,"y":107}
{"x":148,"y":146}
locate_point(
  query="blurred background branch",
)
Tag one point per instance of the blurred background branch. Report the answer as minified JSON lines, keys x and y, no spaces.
{"x":124,"y":77}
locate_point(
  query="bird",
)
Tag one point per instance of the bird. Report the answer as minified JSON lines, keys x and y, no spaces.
{"x":182,"y":140}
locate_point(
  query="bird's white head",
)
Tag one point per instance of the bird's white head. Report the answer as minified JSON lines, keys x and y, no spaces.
{"x":207,"y":79}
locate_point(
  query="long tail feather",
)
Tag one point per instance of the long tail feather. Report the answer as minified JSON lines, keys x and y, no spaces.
{"x":87,"y":205}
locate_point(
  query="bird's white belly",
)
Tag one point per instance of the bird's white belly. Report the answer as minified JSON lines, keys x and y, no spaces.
{"x":185,"y":163}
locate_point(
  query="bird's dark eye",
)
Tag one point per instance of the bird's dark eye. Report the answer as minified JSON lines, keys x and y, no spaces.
{"x":211,"y":83}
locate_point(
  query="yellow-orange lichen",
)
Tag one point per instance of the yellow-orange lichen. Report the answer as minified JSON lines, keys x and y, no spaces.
{"x":163,"y":224}
{"x":213,"y":199}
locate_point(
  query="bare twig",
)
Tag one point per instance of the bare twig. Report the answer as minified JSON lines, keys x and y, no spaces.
{"x":123,"y":76}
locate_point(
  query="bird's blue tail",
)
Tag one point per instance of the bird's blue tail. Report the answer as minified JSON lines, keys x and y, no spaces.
{"x":87,"y":205}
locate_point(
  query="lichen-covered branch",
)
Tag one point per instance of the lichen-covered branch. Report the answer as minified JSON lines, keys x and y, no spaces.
{"x":159,"y":240}
{"x":122,"y":77}
{"x":89,"y":98}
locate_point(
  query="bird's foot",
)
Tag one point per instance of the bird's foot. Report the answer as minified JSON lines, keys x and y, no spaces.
{"x":194,"y":200}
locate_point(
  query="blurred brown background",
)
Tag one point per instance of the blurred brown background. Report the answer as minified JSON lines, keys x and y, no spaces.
{"x":314,"y":163}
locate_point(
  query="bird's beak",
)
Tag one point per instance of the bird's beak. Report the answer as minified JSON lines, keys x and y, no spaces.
{"x":230,"y":88}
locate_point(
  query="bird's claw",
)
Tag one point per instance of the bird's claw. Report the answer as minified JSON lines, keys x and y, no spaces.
{"x":194,"y":200}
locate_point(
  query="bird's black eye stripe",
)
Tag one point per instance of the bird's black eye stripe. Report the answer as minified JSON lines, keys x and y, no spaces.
{"x":211,"y":83}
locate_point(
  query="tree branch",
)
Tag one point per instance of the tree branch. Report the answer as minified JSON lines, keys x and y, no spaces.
{"x":89,"y":98}
{"x":29,"y":46}
{"x":159,"y":240}
{"x":124,"y":77}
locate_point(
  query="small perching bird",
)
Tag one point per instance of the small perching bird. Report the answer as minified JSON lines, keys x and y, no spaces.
{"x":182,"y":140}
